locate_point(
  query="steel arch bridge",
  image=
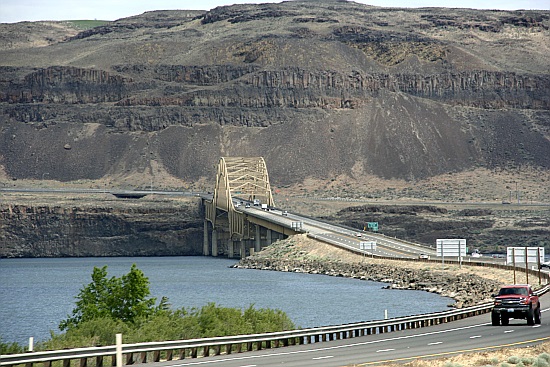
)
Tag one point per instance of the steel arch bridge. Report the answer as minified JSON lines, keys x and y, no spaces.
{"x":238,"y":177}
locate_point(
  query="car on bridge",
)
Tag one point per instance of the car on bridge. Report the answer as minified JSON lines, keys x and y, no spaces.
{"x":545,"y":264}
{"x":516,"y":301}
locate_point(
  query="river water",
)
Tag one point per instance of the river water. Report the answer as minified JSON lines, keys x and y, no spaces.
{"x":36,"y":294}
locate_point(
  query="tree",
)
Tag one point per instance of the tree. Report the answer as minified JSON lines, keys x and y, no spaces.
{"x":124,"y":299}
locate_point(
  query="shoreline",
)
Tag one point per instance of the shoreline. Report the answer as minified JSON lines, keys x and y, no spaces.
{"x":301,"y":254}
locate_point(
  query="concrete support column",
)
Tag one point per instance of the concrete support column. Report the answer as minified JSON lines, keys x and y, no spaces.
{"x":214,"y":242}
{"x":242,"y":249}
{"x":268,"y":239}
{"x":257,"y":240}
{"x":205,"y":247}
{"x":230,"y":251}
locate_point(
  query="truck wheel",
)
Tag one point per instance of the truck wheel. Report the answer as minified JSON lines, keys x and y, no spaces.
{"x":505,"y":320}
{"x":530,"y":316}
{"x":537,"y":315}
{"x":495,"y":319}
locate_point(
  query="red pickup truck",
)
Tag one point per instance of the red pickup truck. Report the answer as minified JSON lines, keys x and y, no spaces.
{"x":516,"y":301}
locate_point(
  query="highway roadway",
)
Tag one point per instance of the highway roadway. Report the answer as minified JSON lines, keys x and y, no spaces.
{"x":343,"y":236}
{"x":474,"y":334}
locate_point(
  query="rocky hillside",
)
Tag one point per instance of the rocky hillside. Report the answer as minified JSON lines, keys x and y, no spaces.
{"x":324,"y":90}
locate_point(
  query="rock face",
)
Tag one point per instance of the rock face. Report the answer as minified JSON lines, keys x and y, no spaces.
{"x":334,"y":87}
{"x":100,"y":230}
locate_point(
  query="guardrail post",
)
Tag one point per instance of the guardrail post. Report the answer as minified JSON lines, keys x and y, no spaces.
{"x":118,"y":350}
{"x":156,"y":356}
{"x":143,"y":357}
{"x":99,"y":361}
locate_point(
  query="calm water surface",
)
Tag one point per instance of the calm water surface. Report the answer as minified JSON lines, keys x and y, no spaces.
{"x":36,"y":294}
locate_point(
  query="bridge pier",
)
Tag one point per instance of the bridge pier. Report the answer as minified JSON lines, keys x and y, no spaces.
{"x":205,"y":244}
{"x":257,"y":239}
{"x":214,"y":242}
{"x":268,"y":237}
{"x":230,"y":250}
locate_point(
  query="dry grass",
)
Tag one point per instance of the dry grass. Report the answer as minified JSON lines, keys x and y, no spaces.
{"x":536,"y":356}
{"x":467,"y":186}
{"x":315,"y":249}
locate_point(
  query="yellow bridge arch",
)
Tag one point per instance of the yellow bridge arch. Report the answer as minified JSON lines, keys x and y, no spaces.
{"x":238,"y":177}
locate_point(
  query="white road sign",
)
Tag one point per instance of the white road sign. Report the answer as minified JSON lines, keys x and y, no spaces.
{"x":451,"y":247}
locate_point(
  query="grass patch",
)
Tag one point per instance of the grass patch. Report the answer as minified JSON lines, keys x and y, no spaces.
{"x":87,"y":24}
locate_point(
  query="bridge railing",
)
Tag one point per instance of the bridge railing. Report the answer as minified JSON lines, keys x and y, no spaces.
{"x":193,"y":348}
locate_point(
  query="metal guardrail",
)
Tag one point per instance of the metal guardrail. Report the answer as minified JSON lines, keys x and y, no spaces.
{"x":448,"y":261}
{"x":193,"y":348}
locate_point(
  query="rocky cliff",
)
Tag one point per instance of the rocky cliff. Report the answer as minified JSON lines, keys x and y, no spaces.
{"x":100,"y":228}
{"x":319,"y":89}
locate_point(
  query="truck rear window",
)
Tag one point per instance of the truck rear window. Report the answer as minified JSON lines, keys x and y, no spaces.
{"x":507,"y":291}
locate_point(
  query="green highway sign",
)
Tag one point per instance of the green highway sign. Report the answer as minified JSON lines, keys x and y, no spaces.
{"x":373,"y":226}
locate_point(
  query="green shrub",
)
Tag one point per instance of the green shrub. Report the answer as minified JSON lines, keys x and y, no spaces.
{"x":125,"y":298}
{"x":108,"y":306}
{"x":210,"y":320}
{"x":91,"y":333}
{"x":10,"y":348}
{"x":540,"y":362}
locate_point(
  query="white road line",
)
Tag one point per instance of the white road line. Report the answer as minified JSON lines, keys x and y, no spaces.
{"x":475,"y":336}
{"x":435,"y":343}
{"x":384,"y":350}
{"x":325,"y":357}
{"x":508,"y":331}
{"x":273,"y":354}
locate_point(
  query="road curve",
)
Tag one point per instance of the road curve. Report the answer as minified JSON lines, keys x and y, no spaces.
{"x":473,"y":334}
